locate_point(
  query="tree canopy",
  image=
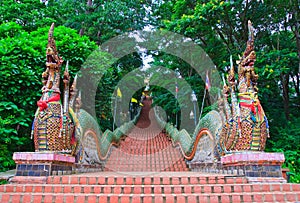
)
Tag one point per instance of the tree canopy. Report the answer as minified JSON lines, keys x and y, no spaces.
{"x":219,"y":27}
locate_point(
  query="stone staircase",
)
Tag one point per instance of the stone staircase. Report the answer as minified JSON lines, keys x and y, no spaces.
{"x":146,"y":148}
{"x":165,"y":187}
{"x":153,"y":154}
{"x":144,"y":168}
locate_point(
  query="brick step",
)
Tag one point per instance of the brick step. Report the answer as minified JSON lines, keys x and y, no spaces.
{"x":149,"y":170}
{"x":141,"y":164}
{"x":146,"y":150}
{"x":143,"y":168}
{"x":141,"y":146}
{"x":154,"y":145}
{"x":145,"y":180}
{"x":145,"y":158}
{"x":148,"y":189}
{"x":148,"y":163}
{"x":145,"y":198}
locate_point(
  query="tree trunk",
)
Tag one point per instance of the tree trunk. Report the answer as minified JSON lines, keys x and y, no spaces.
{"x":89,"y":4}
{"x":285,"y":95}
{"x":81,"y":32}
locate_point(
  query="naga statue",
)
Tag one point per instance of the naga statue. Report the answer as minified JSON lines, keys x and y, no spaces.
{"x":65,"y":127}
{"x":246,"y":125}
{"x":51,"y":113}
{"x":240,"y":124}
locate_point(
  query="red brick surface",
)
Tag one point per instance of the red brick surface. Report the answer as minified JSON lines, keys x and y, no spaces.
{"x":207,"y":189}
{"x":17,"y":198}
{"x":48,"y":198}
{"x":227,"y":188}
{"x":279,"y":197}
{"x":296,"y":188}
{"x":70,"y":198}
{"x":268,"y":197}
{"x":214,"y":198}
{"x":27,"y":198}
{"x":237,"y":188}
{"x":164,"y":187}
{"x":101,"y":180}
{"x":217,"y":189}
{"x":258,"y":198}
{"x":80,"y":199}
{"x":65,"y":179}
{"x":74,"y":180}
{"x":236,"y":198}
{"x":37,"y":198}
{"x":59,"y":198}
{"x":291,"y":197}
{"x":247,"y":198}
{"x":103,"y":199}
{"x":87,"y":189}
{"x":125,"y":199}
{"x":225,"y":199}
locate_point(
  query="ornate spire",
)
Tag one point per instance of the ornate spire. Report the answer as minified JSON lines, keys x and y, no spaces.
{"x":231,"y":77}
{"x":73,"y":92}
{"x":247,"y":77}
{"x":51,"y":76}
{"x":78,"y":104}
{"x":51,"y":52}
{"x":66,"y":81}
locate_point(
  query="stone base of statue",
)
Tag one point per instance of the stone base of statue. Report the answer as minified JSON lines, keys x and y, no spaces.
{"x":43,"y":163}
{"x":256,"y":166}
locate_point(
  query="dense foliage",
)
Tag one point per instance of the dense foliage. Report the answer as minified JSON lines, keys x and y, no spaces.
{"x":219,"y":27}
{"x":22,"y":63}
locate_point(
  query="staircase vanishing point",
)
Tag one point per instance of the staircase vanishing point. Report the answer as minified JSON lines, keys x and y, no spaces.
{"x":146,"y":168}
{"x":146,"y":148}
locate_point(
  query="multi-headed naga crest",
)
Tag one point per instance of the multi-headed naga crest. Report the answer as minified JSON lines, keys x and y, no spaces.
{"x":60,"y":124}
{"x":53,"y":126}
{"x":246,"y":126}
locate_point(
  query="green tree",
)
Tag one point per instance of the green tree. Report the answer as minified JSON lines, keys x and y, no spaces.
{"x":102,"y":20}
{"x":220,"y":28}
{"x":22,"y":63}
{"x":32,"y":14}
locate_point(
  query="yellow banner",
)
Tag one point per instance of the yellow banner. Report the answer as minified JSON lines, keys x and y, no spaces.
{"x":119,"y":93}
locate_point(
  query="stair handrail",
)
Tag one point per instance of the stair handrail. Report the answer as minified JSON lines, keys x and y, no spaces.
{"x":186,"y":142}
{"x":109,"y":138}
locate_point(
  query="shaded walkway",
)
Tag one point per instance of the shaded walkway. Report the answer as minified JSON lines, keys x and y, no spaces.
{"x":146,"y":148}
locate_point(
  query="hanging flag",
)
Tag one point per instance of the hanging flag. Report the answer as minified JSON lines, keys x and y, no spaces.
{"x":176,"y":87}
{"x":133,"y":100}
{"x":207,"y":82}
{"x":119,"y":93}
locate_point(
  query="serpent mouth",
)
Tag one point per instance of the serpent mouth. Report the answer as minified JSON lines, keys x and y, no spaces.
{"x":50,"y":85}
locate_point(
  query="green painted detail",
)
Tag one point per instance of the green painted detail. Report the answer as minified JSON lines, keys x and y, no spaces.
{"x":212,"y":121}
{"x":104,"y":140}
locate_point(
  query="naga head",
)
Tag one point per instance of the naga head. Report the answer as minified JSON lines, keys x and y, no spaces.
{"x":249,"y":56}
{"x":51,"y":51}
{"x":231,"y":74}
{"x":247,"y":76}
{"x":53,"y":63}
